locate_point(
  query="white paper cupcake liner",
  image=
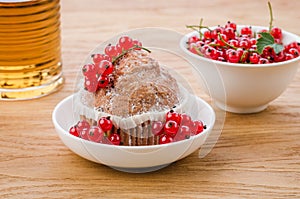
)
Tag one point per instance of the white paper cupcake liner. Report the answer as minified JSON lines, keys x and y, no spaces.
{"x":186,"y":105}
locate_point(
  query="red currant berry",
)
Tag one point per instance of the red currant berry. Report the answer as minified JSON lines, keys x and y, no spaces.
{"x":233,"y":42}
{"x":84,"y":134}
{"x":233,"y":56}
{"x":200,"y":43}
{"x":211,"y":53}
{"x":185,"y":132}
{"x":111,"y":51}
{"x":246,"y":31}
{"x":125,"y":42}
{"x":267,"y":51}
{"x":172,"y":115}
{"x":103,"y":81}
{"x":199,"y":127}
{"x":263,"y":61}
{"x":193,"y":39}
{"x":219,"y":41}
{"x":288,"y":56}
{"x":95,"y":134}
{"x":276,"y":33}
{"x":157,"y":127}
{"x":137,"y":43}
{"x":240,"y":51}
{"x":254,"y":58}
{"x":178,"y":137}
{"x":215,"y":32}
{"x":114,"y":138}
{"x":74,"y":131}
{"x":165,"y":139}
{"x":99,"y":57}
{"x":88,"y":70}
{"x":105,"y":123}
{"x":185,"y":119}
{"x":230,"y":25}
{"x":253,"y":48}
{"x":119,"y":49}
{"x":91,"y":84}
{"x":220,"y":53}
{"x":252,"y":41}
{"x":294,"y":52}
{"x":204,"y":48}
{"x":292,"y":45}
{"x":83,"y":124}
{"x":171,"y":128}
{"x":105,"y":67}
{"x":193,"y":128}
{"x":280,"y":57}
{"x":207,"y":34}
{"x":244,"y":44}
{"x":229,"y":32}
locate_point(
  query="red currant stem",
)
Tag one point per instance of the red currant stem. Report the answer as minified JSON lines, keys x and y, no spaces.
{"x":271,"y":16}
{"x":227,"y":44}
{"x":141,"y":47}
{"x":126,"y":51}
{"x":215,"y":45}
{"x":199,"y":30}
{"x":243,"y":55}
{"x":193,"y":27}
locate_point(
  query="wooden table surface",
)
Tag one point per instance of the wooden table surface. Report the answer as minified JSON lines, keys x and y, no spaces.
{"x":256,"y":156}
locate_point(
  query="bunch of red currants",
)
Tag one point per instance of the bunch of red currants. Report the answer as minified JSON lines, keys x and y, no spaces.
{"x":98,"y":74}
{"x":176,"y":127}
{"x":99,"y":133}
{"x":227,"y":44}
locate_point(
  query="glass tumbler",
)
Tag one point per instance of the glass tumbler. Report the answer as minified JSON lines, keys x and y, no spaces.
{"x":30,"y":48}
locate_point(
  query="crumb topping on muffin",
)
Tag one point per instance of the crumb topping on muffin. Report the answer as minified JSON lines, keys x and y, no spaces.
{"x":140,"y":85}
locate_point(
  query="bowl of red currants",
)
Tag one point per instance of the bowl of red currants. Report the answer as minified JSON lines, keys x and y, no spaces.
{"x":244,"y":67}
{"x":132,"y":159}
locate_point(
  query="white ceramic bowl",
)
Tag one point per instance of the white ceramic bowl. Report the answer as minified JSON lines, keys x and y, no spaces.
{"x":130,"y":158}
{"x":244,"y":88}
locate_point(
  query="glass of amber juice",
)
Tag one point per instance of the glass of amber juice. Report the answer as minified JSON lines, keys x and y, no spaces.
{"x":30,"y":49}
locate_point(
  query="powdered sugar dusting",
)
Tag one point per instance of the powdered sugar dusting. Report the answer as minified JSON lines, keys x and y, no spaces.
{"x":140,"y":85}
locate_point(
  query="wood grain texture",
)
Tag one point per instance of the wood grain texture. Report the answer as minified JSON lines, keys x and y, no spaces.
{"x":256,"y":156}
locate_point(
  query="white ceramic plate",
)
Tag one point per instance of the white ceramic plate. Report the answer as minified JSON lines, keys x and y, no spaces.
{"x":134,"y":159}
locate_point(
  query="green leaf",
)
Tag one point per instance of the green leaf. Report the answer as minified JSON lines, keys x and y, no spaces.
{"x":266,"y":39}
{"x":277,"y":48}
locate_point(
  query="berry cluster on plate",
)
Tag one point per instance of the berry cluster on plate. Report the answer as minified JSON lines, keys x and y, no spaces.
{"x":176,"y":127}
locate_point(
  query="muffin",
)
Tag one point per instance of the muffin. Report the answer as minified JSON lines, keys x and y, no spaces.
{"x":139,"y":92}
